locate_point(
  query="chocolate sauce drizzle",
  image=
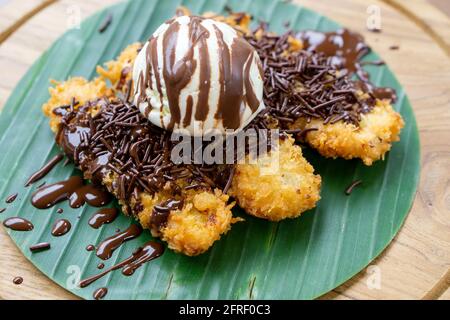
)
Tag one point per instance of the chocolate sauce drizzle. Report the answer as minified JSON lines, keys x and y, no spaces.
{"x":100,"y":293}
{"x":61,"y":227}
{"x":10,"y":199}
{"x":18,"y":224}
{"x":38,"y":175}
{"x":73,"y":190}
{"x":150,"y":251}
{"x":107,"y":247}
{"x":103,"y":216}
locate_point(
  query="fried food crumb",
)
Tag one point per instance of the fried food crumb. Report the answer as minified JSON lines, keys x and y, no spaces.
{"x":119,"y":71}
{"x":280,"y":185}
{"x":369,"y":142}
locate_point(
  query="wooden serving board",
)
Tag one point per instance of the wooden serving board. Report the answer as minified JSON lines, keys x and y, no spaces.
{"x":417,"y":263}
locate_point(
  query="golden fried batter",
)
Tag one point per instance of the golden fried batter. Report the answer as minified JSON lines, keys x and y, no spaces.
{"x":194,"y":229}
{"x":120,"y":70}
{"x":78,"y":88}
{"x":369,"y":142}
{"x":280,"y":185}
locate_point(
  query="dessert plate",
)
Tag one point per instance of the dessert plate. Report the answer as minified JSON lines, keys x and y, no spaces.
{"x":296,"y":259}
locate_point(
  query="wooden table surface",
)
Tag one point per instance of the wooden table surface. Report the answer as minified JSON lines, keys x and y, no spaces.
{"x":417,"y":263}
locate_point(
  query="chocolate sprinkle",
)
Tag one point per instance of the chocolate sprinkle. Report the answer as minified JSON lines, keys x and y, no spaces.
{"x":350,"y":188}
{"x":10,"y":199}
{"x":40,"y":247}
{"x":106,"y":23}
{"x":44,"y":170}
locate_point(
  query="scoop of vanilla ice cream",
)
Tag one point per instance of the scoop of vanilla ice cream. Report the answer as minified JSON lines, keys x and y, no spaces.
{"x":198,"y":74}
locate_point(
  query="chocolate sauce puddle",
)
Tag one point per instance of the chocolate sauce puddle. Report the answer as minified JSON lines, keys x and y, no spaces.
{"x":107,"y":247}
{"x":73,"y":190}
{"x":61,"y":227}
{"x":11,"y":198}
{"x":345,"y":50}
{"x":150,"y":251}
{"x":103,"y":216}
{"x":38,"y":175}
{"x":18,"y":224}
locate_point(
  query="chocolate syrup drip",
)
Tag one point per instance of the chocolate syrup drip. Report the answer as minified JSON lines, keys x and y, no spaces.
{"x":103,"y":216}
{"x":100,"y":293}
{"x":107,"y":247}
{"x":345,"y":50}
{"x":202,"y":109}
{"x":100,"y":266}
{"x":61,"y":227}
{"x":161,"y":213}
{"x":18,"y":280}
{"x":2,"y":210}
{"x":71,"y":139}
{"x":178,"y":75}
{"x":11,"y":198}
{"x":18,"y":224}
{"x":90,"y":247}
{"x":232,"y":82}
{"x":40,"y":247}
{"x":44,"y":170}
{"x":150,"y":251}
{"x":73,"y":190}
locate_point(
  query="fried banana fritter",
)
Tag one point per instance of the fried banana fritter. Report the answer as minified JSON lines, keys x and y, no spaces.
{"x":370,"y":141}
{"x":280,"y":185}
